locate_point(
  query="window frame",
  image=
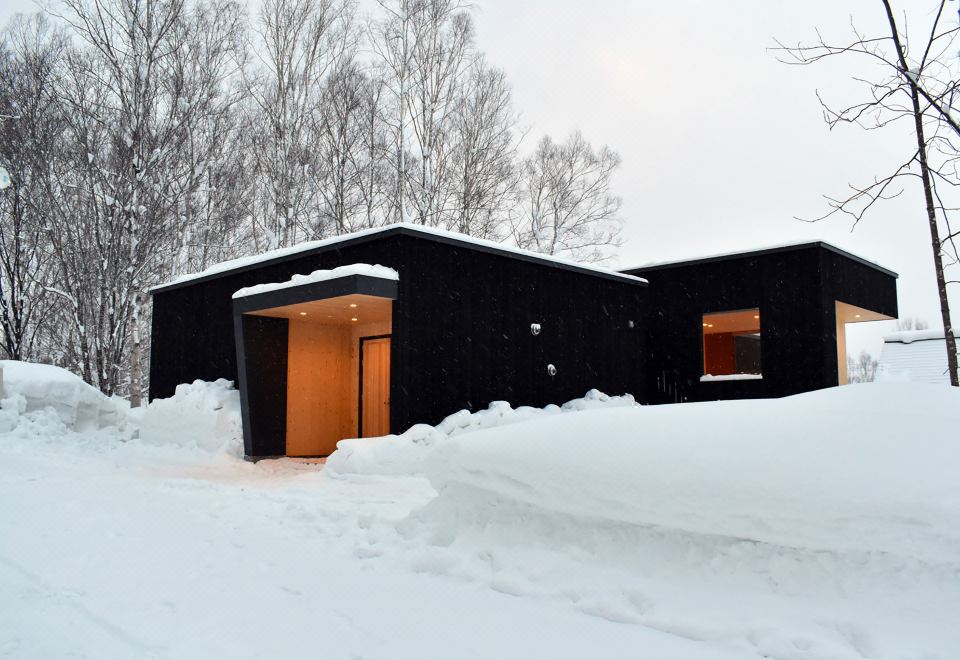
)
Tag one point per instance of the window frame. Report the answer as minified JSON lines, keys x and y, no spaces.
{"x":735,"y":375}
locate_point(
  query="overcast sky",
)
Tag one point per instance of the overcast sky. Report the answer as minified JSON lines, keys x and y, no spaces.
{"x":722,"y":145}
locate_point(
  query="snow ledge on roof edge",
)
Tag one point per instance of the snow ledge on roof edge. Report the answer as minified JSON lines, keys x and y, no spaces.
{"x":242,"y":262}
{"x":910,"y":336}
{"x":368,"y":270}
{"x":740,"y":253}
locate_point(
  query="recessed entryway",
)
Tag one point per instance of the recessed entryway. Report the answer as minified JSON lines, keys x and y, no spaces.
{"x":299,"y":345}
{"x":324,"y":369}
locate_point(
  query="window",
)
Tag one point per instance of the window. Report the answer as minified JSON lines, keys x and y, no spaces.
{"x":731,"y":345}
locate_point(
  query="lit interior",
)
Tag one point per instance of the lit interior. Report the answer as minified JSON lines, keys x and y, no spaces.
{"x":847,"y":313}
{"x":324,"y":374}
{"x":731,"y":343}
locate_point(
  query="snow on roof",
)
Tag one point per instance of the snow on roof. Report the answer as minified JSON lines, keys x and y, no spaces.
{"x":307,"y":246}
{"x":382,"y":272}
{"x":777,"y":247}
{"x":914,"y":355}
{"x":910,"y":336}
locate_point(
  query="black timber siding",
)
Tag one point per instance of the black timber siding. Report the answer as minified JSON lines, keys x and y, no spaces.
{"x":855,"y":283}
{"x":461,"y":327}
{"x":263,"y":383}
{"x":794,"y":290}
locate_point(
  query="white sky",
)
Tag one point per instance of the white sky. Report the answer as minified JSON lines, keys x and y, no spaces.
{"x":722,"y":145}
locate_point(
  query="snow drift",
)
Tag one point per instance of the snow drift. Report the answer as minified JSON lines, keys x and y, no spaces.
{"x":43,"y":400}
{"x":405,"y":454}
{"x":822,"y":525}
{"x":848,"y":459}
{"x":29,"y":388}
{"x":200,"y":415}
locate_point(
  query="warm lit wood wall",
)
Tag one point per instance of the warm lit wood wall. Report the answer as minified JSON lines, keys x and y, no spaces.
{"x":318,"y":388}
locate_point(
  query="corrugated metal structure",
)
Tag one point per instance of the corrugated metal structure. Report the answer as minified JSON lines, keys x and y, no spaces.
{"x":915,"y":355}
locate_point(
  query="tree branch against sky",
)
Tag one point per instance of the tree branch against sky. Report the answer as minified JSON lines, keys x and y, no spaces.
{"x":914,"y":78}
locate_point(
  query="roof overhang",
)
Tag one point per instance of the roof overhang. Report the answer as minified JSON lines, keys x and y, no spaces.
{"x":364,"y":285}
{"x":749,"y":254}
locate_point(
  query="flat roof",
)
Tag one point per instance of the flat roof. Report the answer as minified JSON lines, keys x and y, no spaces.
{"x":403,"y":228}
{"x":313,"y":290}
{"x":756,"y":252}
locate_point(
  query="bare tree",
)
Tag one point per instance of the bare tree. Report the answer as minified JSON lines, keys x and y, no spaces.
{"x":441,"y":55}
{"x":142,"y":100}
{"x":423,"y":49}
{"x":30,"y":128}
{"x":569,"y":207}
{"x":916,"y":83}
{"x":371,"y":159}
{"x":912,"y":323}
{"x":392,"y":39}
{"x":863,"y":369}
{"x":485,"y":153}
{"x":299,"y":43}
{"x":350,"y":138}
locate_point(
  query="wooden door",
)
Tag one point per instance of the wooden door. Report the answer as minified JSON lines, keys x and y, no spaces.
{"x":374,"y":387}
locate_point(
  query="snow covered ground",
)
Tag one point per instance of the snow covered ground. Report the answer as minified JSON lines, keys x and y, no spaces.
{"x":823,"y":526}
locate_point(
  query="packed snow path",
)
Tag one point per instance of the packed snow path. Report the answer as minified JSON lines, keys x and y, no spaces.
{"x":139,"y":552}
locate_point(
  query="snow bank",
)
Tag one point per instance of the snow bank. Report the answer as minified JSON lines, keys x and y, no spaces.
{"x":820,"y":526}
{"x":200,"y":414}
{"x":29,"y":387}
{"x":405,"y":454}
{"x":321,"y":276}
{"x":840,"y":469}
{"x":43,"y":402}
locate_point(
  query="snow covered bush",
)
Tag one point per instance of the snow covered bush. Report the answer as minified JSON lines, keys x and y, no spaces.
{"x":199,"y":414}
{"x":406,"y":453}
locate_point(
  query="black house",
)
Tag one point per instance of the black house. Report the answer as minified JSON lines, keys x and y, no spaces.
{"x":445,"y":322}
{"x":766,"y":323}
{"x":464,"y":323}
